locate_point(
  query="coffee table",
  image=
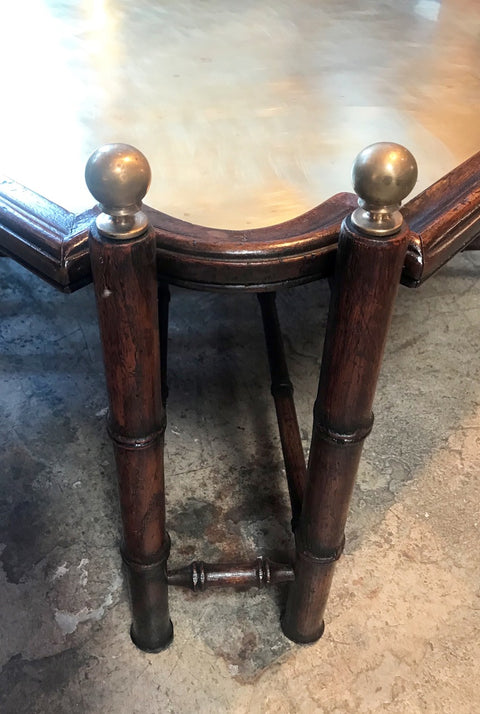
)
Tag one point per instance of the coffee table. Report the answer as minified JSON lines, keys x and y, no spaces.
{"x":133,"y":253}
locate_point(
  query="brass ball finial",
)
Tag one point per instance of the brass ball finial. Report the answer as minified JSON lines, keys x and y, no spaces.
{"x":383,"y":175}
{"x":118,"y":177}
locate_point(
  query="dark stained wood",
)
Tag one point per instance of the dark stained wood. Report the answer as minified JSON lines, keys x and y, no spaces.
{"x":163,"y":313}
{"x":55,"y":244}
{"x":282,"y":392}
{"x":289,"y":253}
{"x":52,"y":242}
{"x":44,"y":237}
{"x":262,"y":572}
{"x":126,"y":290}
{"x":367,"y":276}
{"x":443,"y":219}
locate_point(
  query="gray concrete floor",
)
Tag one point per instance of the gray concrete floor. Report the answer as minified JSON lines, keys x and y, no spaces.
{"x":249,"y":114}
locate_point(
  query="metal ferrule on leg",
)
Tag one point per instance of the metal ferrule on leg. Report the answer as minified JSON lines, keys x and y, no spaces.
{"x":123,"y":258}
{"x":138,"y":459}
{"x":370,"y":257}
{"x":320,"y":537}
{"x":151,"y":629}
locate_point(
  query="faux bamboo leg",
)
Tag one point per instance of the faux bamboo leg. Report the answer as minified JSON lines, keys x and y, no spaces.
{"x":126,"y":289}
{"x":366,"y":280}
{"x":282,"y":392}
{"x":163,"y":309}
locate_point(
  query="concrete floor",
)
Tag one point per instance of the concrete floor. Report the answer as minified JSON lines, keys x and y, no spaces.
{"x":249,"y":113}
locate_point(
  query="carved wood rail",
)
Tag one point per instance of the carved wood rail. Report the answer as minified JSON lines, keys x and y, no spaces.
{"x":52,"y":242}
{"x":368,"y":250}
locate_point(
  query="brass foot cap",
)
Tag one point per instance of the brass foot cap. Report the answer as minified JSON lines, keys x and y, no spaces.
{"x":153,"y":650}
{"x":299,"y":637}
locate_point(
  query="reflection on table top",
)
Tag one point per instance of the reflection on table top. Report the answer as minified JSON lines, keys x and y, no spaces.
{"x":249,"y":113}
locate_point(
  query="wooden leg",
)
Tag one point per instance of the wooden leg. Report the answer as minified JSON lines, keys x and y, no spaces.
{"x":126,"y":290}
{"x":282,"y":392}
{"x":163,"y":309}
{"x":366,"y":280}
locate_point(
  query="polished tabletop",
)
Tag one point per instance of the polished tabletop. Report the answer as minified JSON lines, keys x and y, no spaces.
{"x":249,"y":113}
